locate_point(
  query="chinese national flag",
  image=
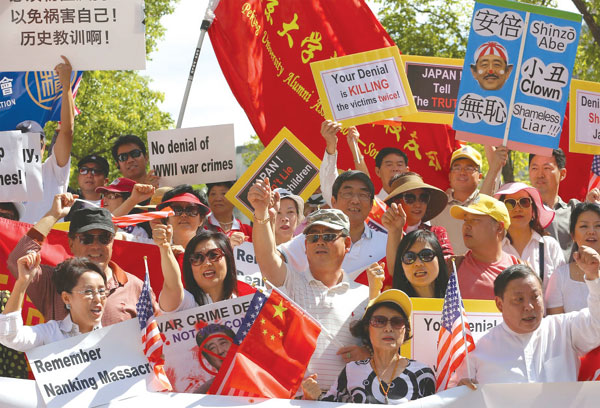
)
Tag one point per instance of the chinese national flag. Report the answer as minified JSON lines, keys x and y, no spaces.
{"x":276,"y":341}
{"x":265,"y":49}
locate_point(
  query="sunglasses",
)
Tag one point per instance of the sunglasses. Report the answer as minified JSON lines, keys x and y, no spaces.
{"x":135,"y":153}
{"x":190,"y":211}
{"x":426,"y":255}
{"x":113,"y":196}
{"x":327,"y":237}
{"x":85,"y":170}
{"x":213,"y":255}
{"x":511,"y":203}
{"x":411,"y":198}
{"x":88,"y":239}
{"x":397,"y":322}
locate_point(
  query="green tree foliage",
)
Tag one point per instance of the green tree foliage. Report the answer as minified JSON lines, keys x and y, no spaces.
{"x":252,"y":149}
{"x":114,"y":103}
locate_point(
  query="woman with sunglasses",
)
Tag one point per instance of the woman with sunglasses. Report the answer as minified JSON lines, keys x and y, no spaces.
{"x":209,"y":271}
{"x":386,"y":377}
{"x":190,"y":210}
{"x":526,"y":238}
{"x":420,"y":269}
{"x":82,"y":287}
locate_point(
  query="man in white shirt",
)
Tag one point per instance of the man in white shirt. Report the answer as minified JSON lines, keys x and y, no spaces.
{"x":322,"y":289}
{"x":527,"y":347}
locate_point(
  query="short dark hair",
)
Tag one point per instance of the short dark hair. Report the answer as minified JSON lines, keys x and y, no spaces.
{"x":67,"y":273}
{"x":401,"y":282}
{"x":518,"y":271}
{"x":576,"y":213}
{"x":127,"y":139}
{"x":208,"y":331}
{"x":387,"y":151}
{"x":559,"y":157}
{"x":8,"y":206}
{"x":227,"y":184}
{"x":360,"y":328}
{"x":352,"y":175}
{"x":230,"y":282}
{"x":186,"y":188}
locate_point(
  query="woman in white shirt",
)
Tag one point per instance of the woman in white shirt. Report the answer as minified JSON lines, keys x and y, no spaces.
{"x":82,"y":286}
{"x":567,"y":291}
{"x":209,"y":270}
{"x":526,"y":237}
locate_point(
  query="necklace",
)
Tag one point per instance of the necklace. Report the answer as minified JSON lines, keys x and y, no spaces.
{"x":385,"y":391}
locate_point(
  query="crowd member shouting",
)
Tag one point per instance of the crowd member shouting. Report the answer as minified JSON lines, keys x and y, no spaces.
{"x":327,"y":242}
{"x":82,"y":287}
{"x":91,"y":235}
{"x":385,"y":377}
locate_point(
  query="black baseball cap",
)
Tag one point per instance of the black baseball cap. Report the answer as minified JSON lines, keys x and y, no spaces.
{"x":86,"y":219}
{"x":95,"y":158}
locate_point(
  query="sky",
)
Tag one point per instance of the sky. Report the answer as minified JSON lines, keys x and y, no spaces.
{"x":210,"y":101}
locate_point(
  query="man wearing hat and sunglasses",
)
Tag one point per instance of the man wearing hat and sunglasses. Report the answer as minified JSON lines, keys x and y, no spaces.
{"x":485,"y":222}
{"x":91,"y":235}
{"x":323,"y":289}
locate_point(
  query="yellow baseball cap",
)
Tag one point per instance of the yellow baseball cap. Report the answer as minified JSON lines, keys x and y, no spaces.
{"x":483,"y":205}
{"x":466,"y":152}
{"x":395,"y":296}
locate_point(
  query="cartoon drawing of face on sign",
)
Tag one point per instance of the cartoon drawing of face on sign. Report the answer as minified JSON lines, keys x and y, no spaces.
{"x":214,"y":341}
{"x":491,"y":68}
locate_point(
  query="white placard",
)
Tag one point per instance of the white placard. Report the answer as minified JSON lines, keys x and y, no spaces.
{"x":588,"y":117}
{"x":13,"y":185}
{"x":193,"y":155}
{"x":90,"y":370}
{"x":94,"y":35}
{"x":247,"y":266}
{"x":32,"y":156}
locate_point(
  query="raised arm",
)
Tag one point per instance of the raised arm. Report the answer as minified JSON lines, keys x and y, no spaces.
{"x":27,"y":266}
{"x":64,"y":141}
{"x":270,"y":263}
{"x":171,"y":294}
{"x":393,"y":219}
{"x":328,"y":171}
{"x":140,"y":192}
{"x":497,"y":159}
{"x":359,"y":161}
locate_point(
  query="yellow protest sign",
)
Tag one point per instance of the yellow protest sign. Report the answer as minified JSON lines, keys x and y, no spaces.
{"x":364,"y":87}
{"x":584,"y":117}
{"x":288,"y":164}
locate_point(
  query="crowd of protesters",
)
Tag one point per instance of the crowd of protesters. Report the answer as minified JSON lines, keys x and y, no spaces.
{"x":519,"y":245}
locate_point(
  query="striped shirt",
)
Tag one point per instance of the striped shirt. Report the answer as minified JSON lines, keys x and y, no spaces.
{"x":335,"y":308}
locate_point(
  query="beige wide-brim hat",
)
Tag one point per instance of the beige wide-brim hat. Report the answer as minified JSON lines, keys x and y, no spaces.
{"x":437,"y":202}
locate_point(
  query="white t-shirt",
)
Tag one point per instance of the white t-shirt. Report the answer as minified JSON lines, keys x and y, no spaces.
{"x":562,"y":291}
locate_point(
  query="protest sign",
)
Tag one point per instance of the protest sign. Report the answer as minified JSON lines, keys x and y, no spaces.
{"x":32,"y":156}
{"x":482,"y":315}
{"x":33,"y":96}
{"x":287,"y":163}
{"x":434,"y":84}
{"x":191,"y":365}
{"x":247,"y":266}
{"x":516,"y":75}
{"x":94,"y":35}
{"x":193,"y":156}
{"x":93,"y":369}
{"x":584,"y":105}
{"x":12,"y":167}
{"x":364,"y":87}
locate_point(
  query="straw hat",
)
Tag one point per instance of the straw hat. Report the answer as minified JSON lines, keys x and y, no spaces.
{"x":407,"y":182}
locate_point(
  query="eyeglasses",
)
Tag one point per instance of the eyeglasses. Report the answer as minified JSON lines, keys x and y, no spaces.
{"x":466,"y":169}
{"x":135,"y":153}
{"x":90,"y":293}
{"x":88,"y":239}
{"x":411,"y":198}
{"x":523,"y":202}
{"x":362,"y":195}
{"x":397,"y":322}
{"x":327,"y":237}
{"x":425,"y":255}
{"x":113,"y":196}
{"x":213,"y":255}
{"x":190,"y":211}
{"x":85,"y":170}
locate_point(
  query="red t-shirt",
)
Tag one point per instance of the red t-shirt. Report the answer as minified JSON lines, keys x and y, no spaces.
{"x":476,"y":278}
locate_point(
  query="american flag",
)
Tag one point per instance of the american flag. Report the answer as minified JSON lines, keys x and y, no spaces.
{"x":152,"y":338}
{"x":454,"y":332}
{"x":594,"y":174}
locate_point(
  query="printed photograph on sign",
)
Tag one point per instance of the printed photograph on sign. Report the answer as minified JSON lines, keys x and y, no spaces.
{"x":287,"y":163}
{"x":364,"y":87}
{"x":434,"y":84}
{"x":584,"y":124}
